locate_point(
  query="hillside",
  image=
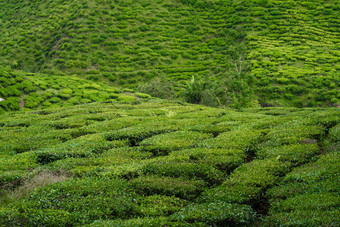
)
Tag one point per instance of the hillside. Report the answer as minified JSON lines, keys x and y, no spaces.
{"x":274,"y":52}
{"x":21,"y":90}
{"x":108,"y":113}
{"x":168,"y":164}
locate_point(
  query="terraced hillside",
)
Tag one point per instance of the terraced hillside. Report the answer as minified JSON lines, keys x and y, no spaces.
{"x":275,"y":52}
{"x":116,"y":40}
{"x":39,"y":91}
{"x":294,"y":52}
{"x":162,"y":163}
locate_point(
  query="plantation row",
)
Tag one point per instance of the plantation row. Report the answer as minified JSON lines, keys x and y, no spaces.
{"x":273,"y":52}
{"x":34,"y":91}
{"x":293,"y":52}
{"x":164,"y":163}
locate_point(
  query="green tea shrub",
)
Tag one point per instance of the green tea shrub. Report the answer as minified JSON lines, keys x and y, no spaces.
{"x":11,"y":91}
{"x":225,"y":160}
{"x":247,"y":182}
{"x":28,"y":142}
{"x":173,"y":141}
{"x":11,"y":179}
{"x":308,"y":195}
{"x":147,"y":221}
{"x":78,"y":201}
{"x":334,"y":133}
{"x":243,"y":139}
{"x":160,"y":205}
{"x":217,"y":213}
{"x":126,"y":98}
{"x":182,"y":188}
{"x":295,"y":153}
{"x":11,"y":103}
{"x":81,"y":147}
{"x":138,"y":133}
{"x":67,"y":123}
{"x":142,"y":95}
{"x":306,"y":217}
{"x":293,"y":132}
{"x":197,"y":171}
{"x":215,"y":129}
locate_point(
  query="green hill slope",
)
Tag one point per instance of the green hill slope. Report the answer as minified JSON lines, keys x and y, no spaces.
{"x":21,"y":90}
{"x":115,"y":39}
{"x":159,"y":163}
{"x":294,"y":51}
{"x":289,"y":47}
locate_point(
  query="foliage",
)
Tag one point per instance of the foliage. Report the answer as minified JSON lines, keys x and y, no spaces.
{"x":158,"y":162}
{"x":38,"y":91}
{"x":272,"y":53}
{"x":158,"y":87}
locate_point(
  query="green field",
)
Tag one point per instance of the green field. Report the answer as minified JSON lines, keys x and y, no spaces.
{"x":165,"y":163}
{"x":170,"y":113}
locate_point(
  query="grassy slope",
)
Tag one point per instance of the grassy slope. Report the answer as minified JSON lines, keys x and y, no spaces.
{"x":291,"y":46}
{"x":164,"y":163}
{"x":39,"y":91}
{"x":294,"y":51}
{"x":114,"y":39}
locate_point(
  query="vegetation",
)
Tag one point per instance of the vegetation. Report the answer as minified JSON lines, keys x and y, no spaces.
{"x":271,"y":52}
{"x":108,"y":113}
{"x":38,"y":91}
{"x":162,"y":163}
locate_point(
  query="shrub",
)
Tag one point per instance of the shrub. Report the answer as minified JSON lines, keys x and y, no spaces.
{"x":217,"y":213}
{"x":142,"y":95}
{"x":160,"y":205}
{"x":293,"y":132}
{"x":182,"y":188}
{"x":73,"y":202}
{"x":161,"y":221}
{"x":137,"y":133}
{"x":158,"y":87}
{"x":173,"y":140}
{"x":308,"y":195}
{"x":247,"y":182}
{"x":295,"y":153}
{"x":225,"y":160}
{"x":81,"y":147}
{"x":126,"y":98}
{"x":244,"y":139}
{"x":185,"y":170}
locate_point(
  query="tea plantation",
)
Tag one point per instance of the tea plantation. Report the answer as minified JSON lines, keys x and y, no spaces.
{"x":21,"y":90}
{"x":166,"y":163}
{"x":170,"y":113}
{"x":258,"y":52}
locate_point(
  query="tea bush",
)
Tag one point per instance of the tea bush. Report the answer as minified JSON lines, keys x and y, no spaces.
{"x":74,"y":202}
{"x":219,"y":213}
{"x":295,"y":153}
{"x":182,"y":188}
{"x":173,"y":141}
{"x":238,"y":139}
{"x":35,"y":91}
{"x":185,"y":170}
{"x":144,"y":222}
{"x":309,"y":193}
{"x":225,"y":160}
{"x":160,"y":162}
{"x":160,"y":205}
